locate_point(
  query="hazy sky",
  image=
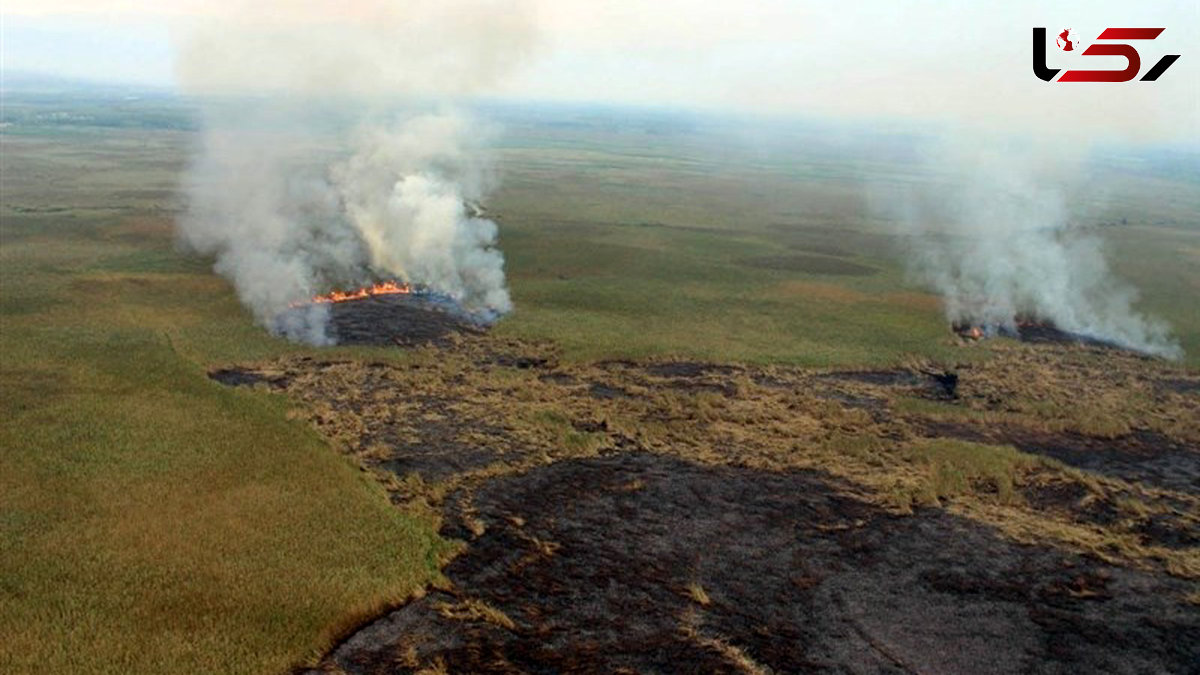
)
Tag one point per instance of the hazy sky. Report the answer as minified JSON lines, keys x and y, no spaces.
{"x":963,"y":62}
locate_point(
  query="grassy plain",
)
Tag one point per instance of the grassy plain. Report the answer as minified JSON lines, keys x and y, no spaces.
{"x":154,"y":521}
{"x":646,"y":236}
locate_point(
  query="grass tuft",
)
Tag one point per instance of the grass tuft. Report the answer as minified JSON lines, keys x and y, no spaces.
{"x":956,"y":467}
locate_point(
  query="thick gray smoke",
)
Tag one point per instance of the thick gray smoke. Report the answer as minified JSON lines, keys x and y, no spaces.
{"x":283,"y":229}
{"x":990,"y":230}
{"x":318,"y":183}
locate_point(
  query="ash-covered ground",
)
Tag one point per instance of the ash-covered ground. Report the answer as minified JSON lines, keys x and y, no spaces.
{"x":1034,"y":511}
{"x":1036,"y":331}
{"x":408,"y":319}
{"x":401,"y":319}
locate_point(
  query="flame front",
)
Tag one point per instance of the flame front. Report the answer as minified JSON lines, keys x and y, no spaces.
{"x":385,"y":288}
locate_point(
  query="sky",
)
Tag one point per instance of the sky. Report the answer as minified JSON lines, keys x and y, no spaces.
{"x":953,"y":62}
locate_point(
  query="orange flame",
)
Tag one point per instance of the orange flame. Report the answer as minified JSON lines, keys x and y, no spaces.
{"x":385,"y":288}
{"x":968,"y":331}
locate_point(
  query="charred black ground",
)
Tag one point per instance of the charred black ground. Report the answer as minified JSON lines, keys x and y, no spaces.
{"x":1033,"y":512}
{"x":400,"y":319}
{"x":404,"y":319}
{"x":639,"y":562}
{"x":1032,"y":330}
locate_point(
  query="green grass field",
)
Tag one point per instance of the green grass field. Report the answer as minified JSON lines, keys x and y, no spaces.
{"x":154,"y":521}
{"x":621,"y":240}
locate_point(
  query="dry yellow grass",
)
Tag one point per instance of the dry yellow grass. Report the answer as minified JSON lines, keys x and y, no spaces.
{"x":779,"y":418}
{"x":473,"y":609}
{"x":698,"y":595}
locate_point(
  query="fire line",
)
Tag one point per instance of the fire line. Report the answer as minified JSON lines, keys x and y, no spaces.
{"x":384,"y":288}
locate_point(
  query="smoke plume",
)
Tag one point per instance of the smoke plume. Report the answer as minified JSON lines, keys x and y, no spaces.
{"x":990,"y":230}
{"x":323,"y":163}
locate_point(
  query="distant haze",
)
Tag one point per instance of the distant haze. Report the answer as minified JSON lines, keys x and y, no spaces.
{"x":997,"y":237}
{"x":962,"y":62}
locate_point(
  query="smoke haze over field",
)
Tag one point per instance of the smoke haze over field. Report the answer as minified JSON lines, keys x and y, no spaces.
{"x":283,"y":229}
{"x":998,"y":235}
{"x":995,"y":232}
{"x":870,"y":59}
{"x":370,"y":49}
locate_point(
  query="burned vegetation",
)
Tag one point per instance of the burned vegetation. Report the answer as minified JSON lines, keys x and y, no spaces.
{"x":1029,"y":329}
{"x":389,"y":314}
{"x":1034,"y":511}
{"x":400,"y":320}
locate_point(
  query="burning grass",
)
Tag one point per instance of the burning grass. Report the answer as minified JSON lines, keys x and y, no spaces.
{"x":375,"y":290}
{"x":156,"y":522}
{"x":1094,"y":392}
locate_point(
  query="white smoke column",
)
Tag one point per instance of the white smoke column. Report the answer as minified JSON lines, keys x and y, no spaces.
{"x":990,"y":231}
{"x":405,"y":193}
{"x":271,"y":233}
{"x":289,"y":208}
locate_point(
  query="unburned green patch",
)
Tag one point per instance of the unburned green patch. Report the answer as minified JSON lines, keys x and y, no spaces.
{"x":155,"y":261}
{"x":958,"y":468}
{"x":150,"y":519}
{"x":565,"y":432}
{"x":11,"y":305}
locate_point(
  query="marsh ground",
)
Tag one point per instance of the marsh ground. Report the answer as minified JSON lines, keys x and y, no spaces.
{"x":656,"y":515}
{"x":156,"y":520}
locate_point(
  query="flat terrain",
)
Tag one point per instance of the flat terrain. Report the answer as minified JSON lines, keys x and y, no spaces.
{"x":152,"y":520}
{"x":716,"y":403}
{"x":658,"y":515}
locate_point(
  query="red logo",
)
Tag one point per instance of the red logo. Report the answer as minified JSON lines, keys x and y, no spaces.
{"x":1066,"y":41}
